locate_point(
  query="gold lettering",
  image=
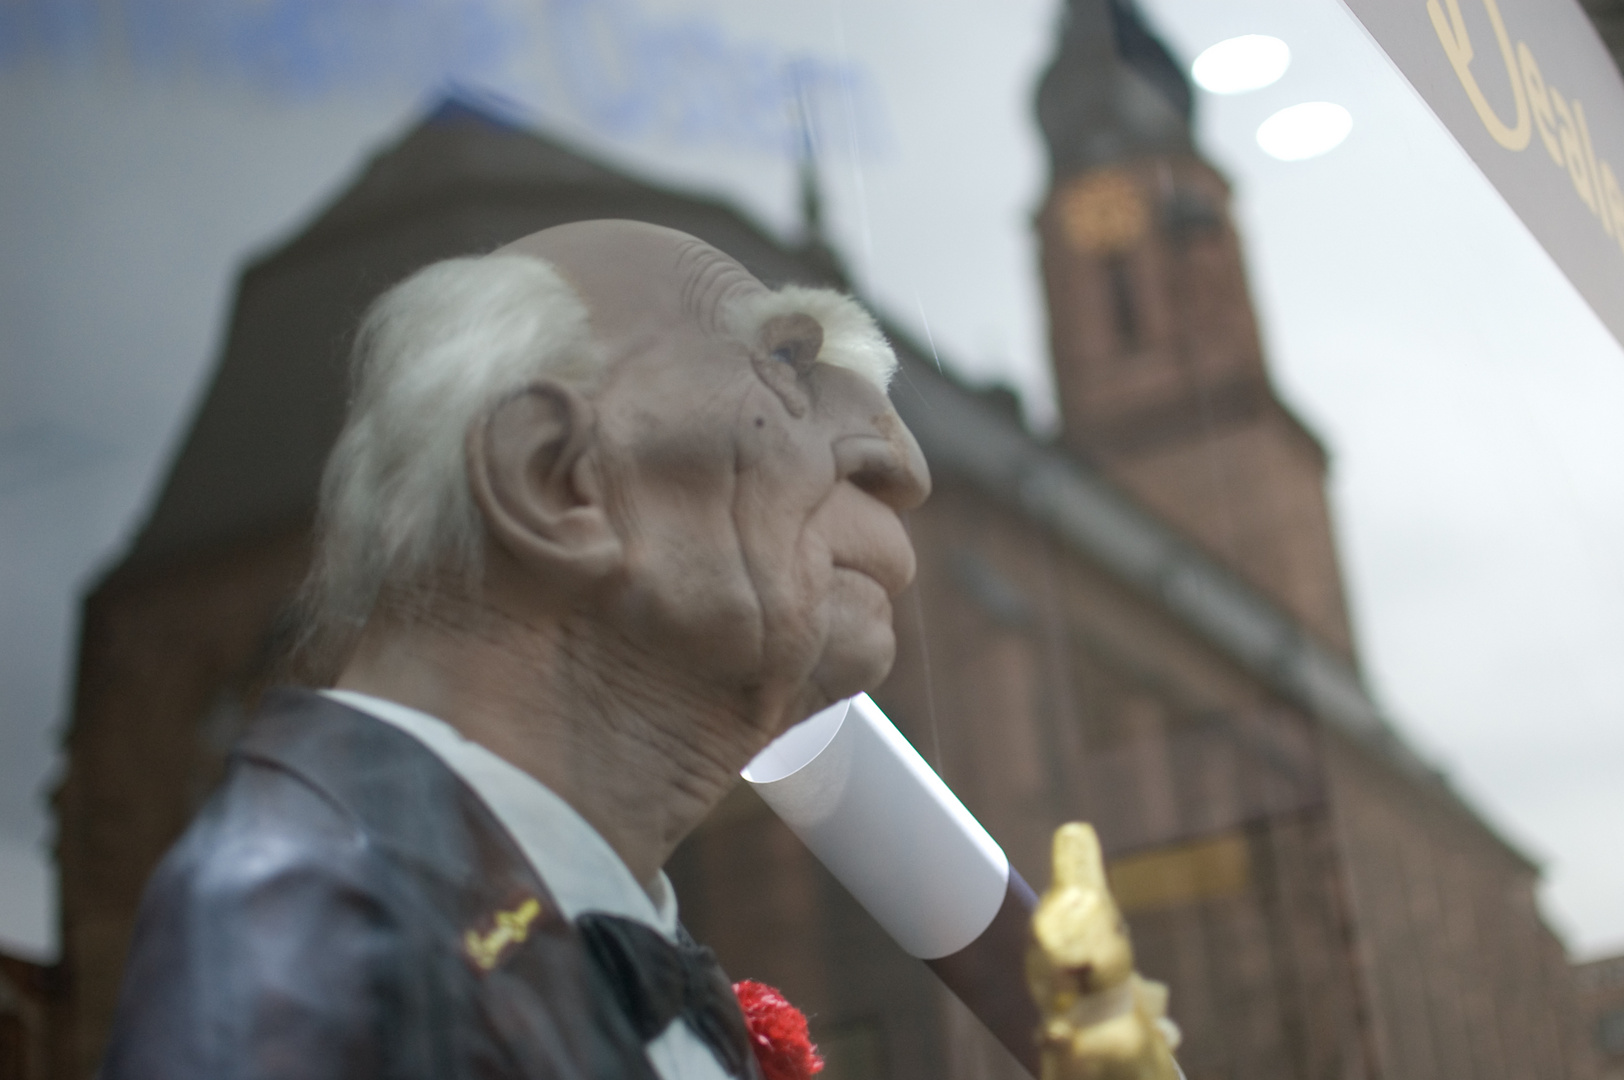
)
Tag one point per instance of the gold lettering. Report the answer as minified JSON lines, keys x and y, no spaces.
{"x":1599,"y":203}
{"x":1573,"y":149}
{"x":1457,"y":45}
{"x":1540,"y":103}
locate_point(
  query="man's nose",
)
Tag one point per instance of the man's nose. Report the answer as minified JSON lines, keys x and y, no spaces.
{"x":886,"y":462}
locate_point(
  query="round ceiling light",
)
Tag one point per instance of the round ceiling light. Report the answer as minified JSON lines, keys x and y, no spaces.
{"x":1304,"y":131}
{"x":1239,"y":64}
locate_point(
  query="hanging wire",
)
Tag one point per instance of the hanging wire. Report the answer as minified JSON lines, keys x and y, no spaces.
{"x":924,"y":663}
{"x":929,"y":337}
{"x":858,"y":177}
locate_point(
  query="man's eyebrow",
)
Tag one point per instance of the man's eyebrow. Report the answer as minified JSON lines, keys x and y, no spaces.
{"x":708,"y":278}
{"x":851,"y":338}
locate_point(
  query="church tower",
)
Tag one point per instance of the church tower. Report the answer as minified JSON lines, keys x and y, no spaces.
{"x":1158,"y":362}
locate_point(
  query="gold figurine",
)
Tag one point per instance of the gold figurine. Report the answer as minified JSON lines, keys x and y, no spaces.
{"x":1101,"y":1021}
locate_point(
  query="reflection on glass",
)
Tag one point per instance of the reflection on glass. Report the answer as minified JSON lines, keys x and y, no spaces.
{"x":1304,"y":131}
{"x":1239,"y":64}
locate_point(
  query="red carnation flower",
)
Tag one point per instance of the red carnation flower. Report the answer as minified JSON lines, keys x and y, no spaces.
{"x":777,"y":1033}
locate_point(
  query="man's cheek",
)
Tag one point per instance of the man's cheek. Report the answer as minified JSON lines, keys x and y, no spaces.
{"x":697,"y":602}
{"x":860,"y":644}
{"x":792,"y":571}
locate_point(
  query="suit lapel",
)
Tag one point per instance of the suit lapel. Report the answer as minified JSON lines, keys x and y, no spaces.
{"x":490,"y":919}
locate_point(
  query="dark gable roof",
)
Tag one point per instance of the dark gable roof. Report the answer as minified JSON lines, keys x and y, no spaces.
{"x":1145,"y":53}
{"x":1111,"y":92}
{"x":466,"y":180}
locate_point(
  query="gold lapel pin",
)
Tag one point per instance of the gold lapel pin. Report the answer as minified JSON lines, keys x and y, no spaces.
{"x":510,"y":929}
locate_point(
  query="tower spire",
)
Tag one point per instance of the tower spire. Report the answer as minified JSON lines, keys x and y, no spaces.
{"x":1157,"y":357}
{"x":815,"y":249}
{"x":811,"y":195}
{"x":1112,"y":91}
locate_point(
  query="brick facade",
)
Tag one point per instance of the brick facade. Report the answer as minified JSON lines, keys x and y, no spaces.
{"x":169,"y":664}
{"x":1601,"y":1011}
{"x":30,"y":1002}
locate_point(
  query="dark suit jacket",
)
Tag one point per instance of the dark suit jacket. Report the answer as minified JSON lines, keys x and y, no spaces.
{"x":326,"y":916}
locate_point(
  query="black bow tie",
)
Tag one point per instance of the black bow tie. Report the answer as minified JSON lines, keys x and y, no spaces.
{"x":656,"y":981}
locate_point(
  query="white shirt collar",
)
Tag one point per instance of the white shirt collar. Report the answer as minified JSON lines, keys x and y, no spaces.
{"x":577,"y":864}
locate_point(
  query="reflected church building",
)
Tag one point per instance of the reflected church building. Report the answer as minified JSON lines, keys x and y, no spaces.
{"x":1140,"y":623}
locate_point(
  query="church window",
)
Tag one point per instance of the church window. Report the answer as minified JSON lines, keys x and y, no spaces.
{"x":1123,"y":312}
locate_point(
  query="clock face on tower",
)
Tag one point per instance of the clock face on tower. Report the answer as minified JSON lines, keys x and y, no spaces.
{"x":1103,"y":213}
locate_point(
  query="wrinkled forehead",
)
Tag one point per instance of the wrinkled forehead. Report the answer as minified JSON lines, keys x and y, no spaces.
{"x":639,"y":280}
{"x":635,"y":277}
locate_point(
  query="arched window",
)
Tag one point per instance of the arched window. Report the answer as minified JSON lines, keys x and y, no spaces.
{"x":1124,"y":314}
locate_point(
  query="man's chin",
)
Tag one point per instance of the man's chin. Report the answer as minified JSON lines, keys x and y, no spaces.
{"x":854,"y":661}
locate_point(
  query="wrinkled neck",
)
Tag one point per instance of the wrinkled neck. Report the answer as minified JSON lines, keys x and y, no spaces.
{"x":643,"y":753}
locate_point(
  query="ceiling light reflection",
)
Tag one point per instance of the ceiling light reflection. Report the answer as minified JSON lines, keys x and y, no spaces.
{"x":1304,"y":131}
{"x":1239,"y":64}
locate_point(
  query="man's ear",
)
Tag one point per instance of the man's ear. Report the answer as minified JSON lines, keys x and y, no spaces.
{"x":531,"y":473}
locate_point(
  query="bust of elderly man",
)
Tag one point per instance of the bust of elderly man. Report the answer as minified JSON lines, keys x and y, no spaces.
{"x":606,"y":517}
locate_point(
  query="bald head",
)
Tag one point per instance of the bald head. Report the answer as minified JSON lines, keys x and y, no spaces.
{"x":637,"y":278}
{"x":640,"y":281}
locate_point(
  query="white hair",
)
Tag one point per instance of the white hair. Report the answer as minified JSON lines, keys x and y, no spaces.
{"x":432,"y":354}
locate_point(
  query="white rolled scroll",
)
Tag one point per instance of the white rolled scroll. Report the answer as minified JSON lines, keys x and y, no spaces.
{"x":868,"y":806}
